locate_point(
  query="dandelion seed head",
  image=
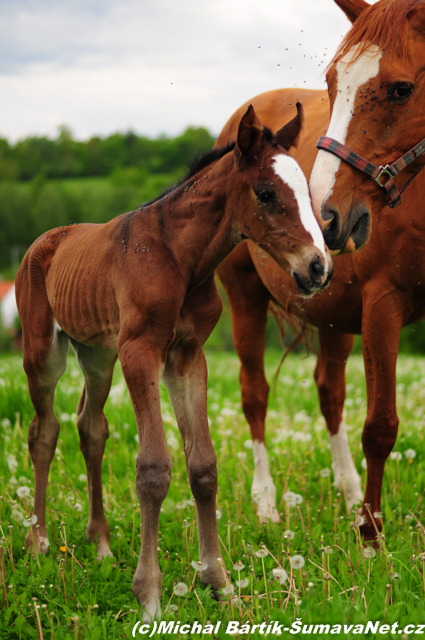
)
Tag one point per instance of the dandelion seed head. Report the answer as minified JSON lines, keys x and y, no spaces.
{"x":262,"y":553}
{"x":29,"y":522}
{"x":396,"y":455}
{"x":325,"y":473}
{"x":198,"y":565}
{"x":280,"y":575}
{"x":410,"y":454}
{"x":242,"y":584}
{"x":369,"y":552}
{"x":23,"y":492}
{"x":44,"y":544}
{"x":238,"y":566}
{"x":228,"y":591}
{"x":297,"y":562}
{"x":288,"y":534}
{"x":180,"y":589}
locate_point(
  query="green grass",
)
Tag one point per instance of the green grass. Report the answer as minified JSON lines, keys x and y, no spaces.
{"x":78,"y":597}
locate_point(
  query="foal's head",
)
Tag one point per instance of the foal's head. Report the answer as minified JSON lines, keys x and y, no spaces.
{"x":276,"y":212}
{"x":376,"y":86}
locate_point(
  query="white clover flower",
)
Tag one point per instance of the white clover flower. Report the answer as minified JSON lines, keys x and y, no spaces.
{"x":395,"y":455}
{"x":297,"y":562}
{"x":180,"y":589}
{"x":369,"y":552}
{"x":410,"y":454}
{"x":288,"y":534}
{"x":23,"y":492}
{"x":262,"y":553}
{"x":325,"y":473}
{"x":280,"y":575}
{"x":198,"y":565}
{"x":242,"y":584}
{"x":238,"y":566}
{"x":29,"y":522}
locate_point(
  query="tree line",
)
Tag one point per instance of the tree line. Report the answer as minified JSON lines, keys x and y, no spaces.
{"x":64,"y":157}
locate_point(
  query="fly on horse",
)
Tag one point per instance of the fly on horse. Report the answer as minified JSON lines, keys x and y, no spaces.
{"x":141,"y":288}
{"x":370,"y":150}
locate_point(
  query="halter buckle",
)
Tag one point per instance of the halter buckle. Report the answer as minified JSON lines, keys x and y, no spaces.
{"x":389,"y":171}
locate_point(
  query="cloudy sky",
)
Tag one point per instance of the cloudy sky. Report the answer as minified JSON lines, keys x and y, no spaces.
{"x":153,"y":66}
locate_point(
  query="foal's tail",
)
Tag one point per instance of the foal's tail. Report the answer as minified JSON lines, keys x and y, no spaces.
{"x":303,"y":333}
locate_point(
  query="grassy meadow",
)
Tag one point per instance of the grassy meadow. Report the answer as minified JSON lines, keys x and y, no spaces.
{"x":69,"y":595}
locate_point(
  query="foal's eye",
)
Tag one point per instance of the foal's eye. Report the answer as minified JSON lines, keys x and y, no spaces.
{"x":266,"y":196}
{"x":400,"y":91}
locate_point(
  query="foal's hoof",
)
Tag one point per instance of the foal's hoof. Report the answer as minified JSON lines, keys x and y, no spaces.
{"x":148,"y":595}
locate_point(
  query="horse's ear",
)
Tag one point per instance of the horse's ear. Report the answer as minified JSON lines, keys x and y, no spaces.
{"x":249,"y":132}
{"x":352,"y":8}
{"x":289,"y":135}
{"x":416,"y":19}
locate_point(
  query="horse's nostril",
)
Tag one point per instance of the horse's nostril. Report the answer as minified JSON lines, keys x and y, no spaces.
{"x":316,"y":271}
{"x":331,"y":232}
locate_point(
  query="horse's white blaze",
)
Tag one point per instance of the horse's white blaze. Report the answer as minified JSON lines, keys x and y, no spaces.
{"x":346,"y":477}
{"x":263,"y":491}
{"x":291,"y":173}
{"x":349,"y":81}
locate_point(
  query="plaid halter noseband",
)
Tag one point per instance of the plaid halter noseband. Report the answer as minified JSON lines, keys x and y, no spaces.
{"x":386,"y":173}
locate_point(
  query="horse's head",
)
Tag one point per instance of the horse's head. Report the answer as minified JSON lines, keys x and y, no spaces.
{"x":277,"y":213}
{"x":376,"y":86}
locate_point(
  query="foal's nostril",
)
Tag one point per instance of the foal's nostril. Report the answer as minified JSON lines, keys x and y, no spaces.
{"x":316,"y":271}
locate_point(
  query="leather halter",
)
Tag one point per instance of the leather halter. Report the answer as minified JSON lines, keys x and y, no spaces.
{"x":383,"y":176}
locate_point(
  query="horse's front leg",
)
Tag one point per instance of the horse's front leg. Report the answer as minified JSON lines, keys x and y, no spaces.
{"x":186,"y":379}
{"x":382,"y":322}
{"x":142,"y":365}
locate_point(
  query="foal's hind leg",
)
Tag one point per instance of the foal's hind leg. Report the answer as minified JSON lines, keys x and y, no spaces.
{"x":97,"y":365}
{"x":44,"y":363}
{"x":334,"y":349}
{"x":249,"y":301}
{"x":186,"y":379}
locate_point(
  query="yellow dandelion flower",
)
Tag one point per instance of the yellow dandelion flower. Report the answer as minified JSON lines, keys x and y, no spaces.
{"x":63,"y":549}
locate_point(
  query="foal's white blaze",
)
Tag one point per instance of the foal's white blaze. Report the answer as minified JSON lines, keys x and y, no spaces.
{"x":346,"y":477}
{"x":291,"y":173}
{"x":349,"y":80}
{"x":263,"y":491}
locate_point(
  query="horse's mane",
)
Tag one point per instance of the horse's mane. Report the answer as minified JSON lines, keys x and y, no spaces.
{"x":383,"y":24}
{"x":198,"y":163}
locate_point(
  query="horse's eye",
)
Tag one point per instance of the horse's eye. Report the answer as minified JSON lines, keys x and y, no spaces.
{"x":400,"y":91}
{"x":266,"y":196}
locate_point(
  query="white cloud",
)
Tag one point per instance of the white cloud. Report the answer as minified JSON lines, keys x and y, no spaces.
{"x":154,"y":65}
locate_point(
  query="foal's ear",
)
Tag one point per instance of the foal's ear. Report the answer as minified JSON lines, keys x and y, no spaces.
{"x":289,"y":135}
{"x":249,"y":133}
{"x":352,"y":8}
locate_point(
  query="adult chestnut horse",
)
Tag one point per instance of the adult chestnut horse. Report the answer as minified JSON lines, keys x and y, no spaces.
{"x":376,"y":101}
{"x":141,"y":288}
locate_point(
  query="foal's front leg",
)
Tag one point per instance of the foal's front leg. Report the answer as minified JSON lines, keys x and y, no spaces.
{"x":186,"y":379}
{"x":142,"y":366}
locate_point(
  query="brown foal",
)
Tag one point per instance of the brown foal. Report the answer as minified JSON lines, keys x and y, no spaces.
{"x":141,"y":288}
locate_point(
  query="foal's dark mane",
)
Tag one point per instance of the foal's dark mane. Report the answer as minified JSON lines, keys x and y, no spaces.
{"x":197,"y":164}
